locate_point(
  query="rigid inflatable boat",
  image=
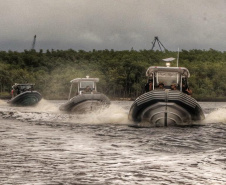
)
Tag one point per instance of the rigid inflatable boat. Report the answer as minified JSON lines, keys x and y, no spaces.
{"x":167,"y":100}
{"x":24,"y":95}
{"x":86,"y":97}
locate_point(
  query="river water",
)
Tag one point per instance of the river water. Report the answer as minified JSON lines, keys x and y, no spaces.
{"x":41,"y":145}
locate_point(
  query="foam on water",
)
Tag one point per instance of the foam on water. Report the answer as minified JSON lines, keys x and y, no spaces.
{"x":217,"y":116}
{"x":116,"y":113}
{"x":45,"y":111}
{"x":113,"y":114}
{"x":187,"y":155}
{"x":2,"y":102}
{"x":45,"y":106}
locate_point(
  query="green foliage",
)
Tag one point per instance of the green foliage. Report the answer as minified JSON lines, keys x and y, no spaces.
{"x":121,"y":73}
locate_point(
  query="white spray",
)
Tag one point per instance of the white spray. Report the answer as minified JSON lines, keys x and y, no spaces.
{"x":114,"y":114}
{"x":217,"y":116}
{"x":45,"y":106}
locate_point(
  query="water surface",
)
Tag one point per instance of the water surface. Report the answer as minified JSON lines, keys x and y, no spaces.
{"x":41,"y":145}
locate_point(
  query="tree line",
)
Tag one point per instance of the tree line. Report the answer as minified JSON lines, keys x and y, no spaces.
{"x":121,"y":73}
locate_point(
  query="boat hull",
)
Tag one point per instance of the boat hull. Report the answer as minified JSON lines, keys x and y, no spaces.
{"x":28,"y":98}
{"x":165,"y":108}
{"x":84,"y":103}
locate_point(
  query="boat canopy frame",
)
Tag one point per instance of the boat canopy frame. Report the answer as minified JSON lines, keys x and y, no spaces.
{"x":181,"y":70}
{"x":79,"y":82}
{"x":23,"y":87}
{"x":28,"y":84}
{"x":153,"y":73}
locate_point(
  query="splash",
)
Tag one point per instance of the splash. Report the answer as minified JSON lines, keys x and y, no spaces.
{"x":217,"y":116}
{"x":45,"y":106}
{"x":47,"y":111}
{"x":113,"y":114}
{"x":3,"y":105}
{"x":3,"y":102}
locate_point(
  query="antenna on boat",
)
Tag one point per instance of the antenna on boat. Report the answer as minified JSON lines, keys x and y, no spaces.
{"x":156,"y":39}
{"x":178,"y":57}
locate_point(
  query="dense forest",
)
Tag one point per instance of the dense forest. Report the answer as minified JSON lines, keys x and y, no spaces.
{"x":121,"y":73}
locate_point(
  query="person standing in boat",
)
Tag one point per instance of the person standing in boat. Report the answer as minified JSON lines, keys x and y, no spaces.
{"x":161,"y":86}
{"x":173,"y":87}
{"x":146,"y":87}
{"x":88,"y":89}
{"x":149,"y":86}
{"x":186,"y":90}
{"x":12,"y":93}
{"x":18,"y":90}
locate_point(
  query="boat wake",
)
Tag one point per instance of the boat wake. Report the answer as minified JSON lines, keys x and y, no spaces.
{"x":113,"y":114}
{"x":2,"y":102}
{"x":46,"y":111}
{"x":116,"y":113}
{"x":48,"y":140}
{"x":45,"y":106}
{"x":217,"y":116}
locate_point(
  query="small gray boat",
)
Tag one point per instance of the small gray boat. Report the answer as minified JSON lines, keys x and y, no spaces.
{"x":167,"y":100}
{"x":86,"y":97}
{"x":24,"y":95}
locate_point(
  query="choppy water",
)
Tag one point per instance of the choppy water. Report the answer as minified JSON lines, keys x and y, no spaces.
{"x":41,"y":145}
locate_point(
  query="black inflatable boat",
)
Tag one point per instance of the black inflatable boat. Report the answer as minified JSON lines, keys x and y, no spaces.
{"x":24,"y":95}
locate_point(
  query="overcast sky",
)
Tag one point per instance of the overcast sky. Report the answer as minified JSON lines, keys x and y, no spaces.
{"x":112,"y":24}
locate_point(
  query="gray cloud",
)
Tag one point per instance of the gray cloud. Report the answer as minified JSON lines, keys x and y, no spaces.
{"x":112,"y":24}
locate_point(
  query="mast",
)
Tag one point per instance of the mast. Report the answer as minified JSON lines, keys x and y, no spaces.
{"x":178,"y":58}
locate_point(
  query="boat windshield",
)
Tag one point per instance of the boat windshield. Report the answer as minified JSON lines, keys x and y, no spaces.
{"x":23,"y":87}
{"x":26,"y":87}
{"x":84,"y":84}
{"x":168,"y":78}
